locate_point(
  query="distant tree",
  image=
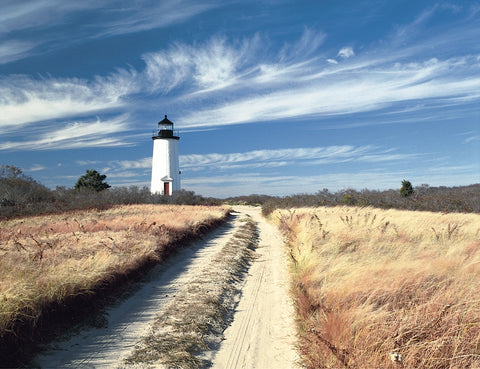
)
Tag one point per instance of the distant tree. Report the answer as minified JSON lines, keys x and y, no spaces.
{"x":10,"y":172}
{"x":92,"y":180}
{"x":19,"y":189}
{"x":406,"y":189}
{"x":348,"y":197}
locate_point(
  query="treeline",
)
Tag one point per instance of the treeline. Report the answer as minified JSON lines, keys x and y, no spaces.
{"x":464,"y":199}
{"x":21,"y":195}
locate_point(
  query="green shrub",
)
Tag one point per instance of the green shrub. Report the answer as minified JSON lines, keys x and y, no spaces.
{"x":406,"y":189}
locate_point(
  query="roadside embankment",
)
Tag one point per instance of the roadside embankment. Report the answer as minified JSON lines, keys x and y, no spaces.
{"x":57,"y":269}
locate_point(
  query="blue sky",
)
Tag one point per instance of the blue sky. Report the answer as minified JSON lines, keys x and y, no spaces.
{"x":274,"y":97}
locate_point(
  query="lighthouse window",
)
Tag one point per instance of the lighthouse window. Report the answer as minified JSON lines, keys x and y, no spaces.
{"x":166,"y":127}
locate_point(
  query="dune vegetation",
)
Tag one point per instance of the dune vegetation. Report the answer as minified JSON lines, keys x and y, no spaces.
{"x":385,"y":288}
{"x":46,"y":261}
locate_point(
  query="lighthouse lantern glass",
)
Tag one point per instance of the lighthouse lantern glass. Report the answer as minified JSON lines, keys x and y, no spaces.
{"x":165,"y":127}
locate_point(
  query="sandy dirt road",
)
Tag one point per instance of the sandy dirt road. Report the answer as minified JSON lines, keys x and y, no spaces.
{"x":262,"y":334}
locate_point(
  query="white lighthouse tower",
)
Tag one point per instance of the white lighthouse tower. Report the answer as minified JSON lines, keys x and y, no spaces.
{"x":165,"y":168}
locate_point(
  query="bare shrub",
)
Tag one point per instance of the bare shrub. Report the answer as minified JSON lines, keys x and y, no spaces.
{"x":462,"y":199}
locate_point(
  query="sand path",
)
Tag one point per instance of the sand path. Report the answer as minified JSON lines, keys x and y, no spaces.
{"x":260,"y":336}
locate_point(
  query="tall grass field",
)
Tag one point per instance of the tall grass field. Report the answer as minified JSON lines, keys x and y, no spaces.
{"x":46,"y":261}
{"x":385,"y":288}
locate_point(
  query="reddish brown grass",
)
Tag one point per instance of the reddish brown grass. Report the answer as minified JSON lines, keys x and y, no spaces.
{"x":385,"y":289}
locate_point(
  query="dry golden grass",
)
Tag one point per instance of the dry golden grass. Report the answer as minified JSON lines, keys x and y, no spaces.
{"x":47,"y":259}
{"x":385,"y":288}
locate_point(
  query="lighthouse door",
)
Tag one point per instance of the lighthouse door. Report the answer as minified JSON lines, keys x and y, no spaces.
{"x":166,"y":188}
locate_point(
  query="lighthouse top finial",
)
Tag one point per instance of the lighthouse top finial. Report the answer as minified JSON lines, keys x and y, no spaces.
{"x":165,"y":121}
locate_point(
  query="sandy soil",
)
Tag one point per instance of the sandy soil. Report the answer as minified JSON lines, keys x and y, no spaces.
{"x":262,"y":332}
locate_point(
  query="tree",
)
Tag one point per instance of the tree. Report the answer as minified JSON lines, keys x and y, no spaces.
{"x":92,"y":180}
{"x":18,"y":189}
{"x":10,"y":172}
{"x":406,"y":189}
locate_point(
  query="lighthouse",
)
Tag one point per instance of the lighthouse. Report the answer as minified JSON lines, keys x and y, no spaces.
{"x":165,"y":168}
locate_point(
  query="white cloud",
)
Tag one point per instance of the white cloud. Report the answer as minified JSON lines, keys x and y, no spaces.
{"x":75,"y":135}
{"x":25,"y":100}
{"x":291,"y":156}
{"x":215,"y":64}
{"x":242,"y":81}
{"x":206,"y":67}
{"x":135,"y":164}
{"x":87,"y":162}
{"x":346,"y":52}
{"x":221,"y":82}
{"x":36,"y":168}
{"x":472,"y":138}
{"x":359,"y":87}
{"x":219,"y":64}
{"x":130,"y":17}
{"x":11,"y":50}
{"x":274,"y":158}
{"x":119,"y":17}
{"x":28,"y":14}
{"x":304,"y":48}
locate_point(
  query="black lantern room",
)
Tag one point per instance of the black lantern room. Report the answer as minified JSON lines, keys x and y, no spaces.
{"x":165,"y":129}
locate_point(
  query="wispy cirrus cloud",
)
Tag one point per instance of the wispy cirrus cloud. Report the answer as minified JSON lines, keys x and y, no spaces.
{"x":207,"y":67}
{"x":131,"y":18}
{"x":135,"y":164}
{"x":40,"y":14}
{"x":249,"y":80}
{"x":25,"y":100}
{"x":359,"y":90}
{"x":291,"y":156}
{"x":470,"y":136}
{"x":11,"y":50}
{"x":217,"y":174}
{"x":109,"y":18}
{"x":77,"y":134}
{"x":234,"y":81}
{"x":219,"y":64}
{"x":21,"y":21}
{"x":306,"y":47}
{"x":269,"y":157}
{"x":302,"y":156}
{"x":308,"y":88}
{"x":36,"y":168}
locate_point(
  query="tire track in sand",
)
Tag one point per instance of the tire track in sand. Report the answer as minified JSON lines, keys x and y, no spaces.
{"x":241,"y":338}
{"x":262,"y":334}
